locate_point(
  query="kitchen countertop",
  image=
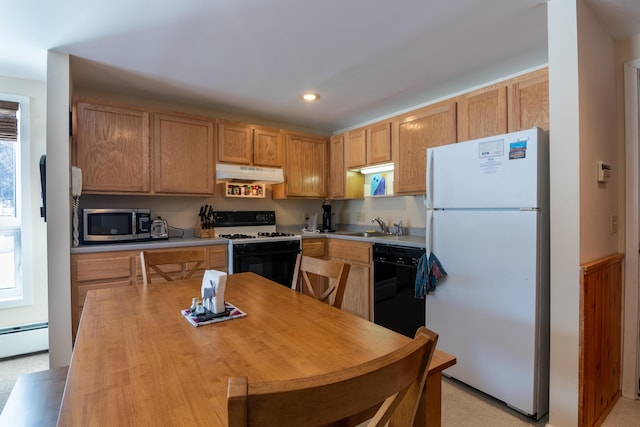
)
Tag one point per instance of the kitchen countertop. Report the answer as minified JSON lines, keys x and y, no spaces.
{"x":172,"y":242}
{"x":176,"y":242}
{"x":392,"y":239}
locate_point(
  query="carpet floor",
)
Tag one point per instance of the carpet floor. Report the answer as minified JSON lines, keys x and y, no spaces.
{"x":462,"y":406}
{"x":12,"y":368}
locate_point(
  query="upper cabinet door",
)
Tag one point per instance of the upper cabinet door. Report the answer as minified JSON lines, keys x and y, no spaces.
{"x":184,"y":157}
{"x":356,"y":148}
{"x":379,"y":143}
{"x":235,"y":142}
{"x":414,"y":132}
{"x":482,"y":113}
{"x":111,"y":146}
{"x":268,"y":147}
{"x":529,"y":101}
{"x":337,"y":176}
{"x":305,"y":168}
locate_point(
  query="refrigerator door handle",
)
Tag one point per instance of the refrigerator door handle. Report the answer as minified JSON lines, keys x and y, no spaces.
{"x":429,"y":227}
{"x":429,"y":188}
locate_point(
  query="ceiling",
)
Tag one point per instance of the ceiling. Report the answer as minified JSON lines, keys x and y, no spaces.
{"x":253,"y":58}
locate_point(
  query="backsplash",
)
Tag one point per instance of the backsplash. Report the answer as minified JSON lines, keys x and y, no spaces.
{"x":181,"y":212}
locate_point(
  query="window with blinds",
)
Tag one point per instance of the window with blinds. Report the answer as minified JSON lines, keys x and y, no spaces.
{"x":10,"y":229}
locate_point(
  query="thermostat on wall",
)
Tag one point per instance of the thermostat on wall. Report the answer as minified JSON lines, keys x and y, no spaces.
{"x":604,"y":171}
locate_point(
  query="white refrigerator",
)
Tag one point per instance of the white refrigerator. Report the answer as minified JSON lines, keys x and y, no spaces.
{"x":488,"y":225}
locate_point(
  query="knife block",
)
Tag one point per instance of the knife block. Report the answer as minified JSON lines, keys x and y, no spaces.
{"x":203,"y":233}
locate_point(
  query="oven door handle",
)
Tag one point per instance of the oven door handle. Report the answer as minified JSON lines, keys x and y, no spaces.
{"x":265,"y":253}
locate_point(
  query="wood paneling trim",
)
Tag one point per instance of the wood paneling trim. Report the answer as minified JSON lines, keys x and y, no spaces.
{"x":600,"y":339}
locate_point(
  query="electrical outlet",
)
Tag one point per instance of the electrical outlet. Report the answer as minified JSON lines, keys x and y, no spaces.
{"x":360,"y":217}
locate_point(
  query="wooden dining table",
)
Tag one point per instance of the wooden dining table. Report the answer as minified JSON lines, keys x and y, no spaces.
{"x":137,"y":361}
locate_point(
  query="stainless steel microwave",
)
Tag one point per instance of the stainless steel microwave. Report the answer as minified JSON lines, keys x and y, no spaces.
{"x":116,"y":225}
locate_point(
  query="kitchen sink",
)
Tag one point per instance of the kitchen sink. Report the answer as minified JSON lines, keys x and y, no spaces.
{"x":365,"y":233}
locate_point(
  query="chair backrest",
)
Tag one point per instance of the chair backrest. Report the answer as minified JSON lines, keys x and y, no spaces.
{"x":188,"y":260}
{"x":336,"y":272}
{"x":370,"y":391}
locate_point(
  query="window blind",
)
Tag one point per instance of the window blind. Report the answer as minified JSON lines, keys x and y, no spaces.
{"x":9,"y":120}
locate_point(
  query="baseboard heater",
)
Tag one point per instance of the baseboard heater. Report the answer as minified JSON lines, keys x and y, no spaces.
{"x":24,"y":339}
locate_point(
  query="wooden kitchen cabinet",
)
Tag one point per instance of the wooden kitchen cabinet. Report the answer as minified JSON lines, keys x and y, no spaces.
{"x":515,"y":104}
{"x":369,"y":145}
{"x":98,"y":271}
{"x":379,"y":143}
{"x":356,"y":148}
{"x":344,"y":184}
{"x":183,"y":155}
{"x":482,"y":113}
{"x":305,"y":167}
{"x":123,"y":268}
{"x":268,"y":147}
{"x":111,"y":146}
{"x":414,"y":132}
{"x":528,"y":98}
{"x":314,"y":247}
{"x":358,"y":294}
{"x":235,"y":142}
{"x":249,"y":145}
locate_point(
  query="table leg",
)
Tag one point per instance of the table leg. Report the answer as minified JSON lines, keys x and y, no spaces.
{"x":433,"y":395}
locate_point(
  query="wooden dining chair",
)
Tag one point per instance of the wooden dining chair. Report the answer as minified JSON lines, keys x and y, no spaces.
{"x":370,"y":391}
{"x":308,"y":269}
{"x":188,"y":262}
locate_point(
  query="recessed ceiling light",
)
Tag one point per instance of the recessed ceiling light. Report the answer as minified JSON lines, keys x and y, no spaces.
{"x":310,"y":96}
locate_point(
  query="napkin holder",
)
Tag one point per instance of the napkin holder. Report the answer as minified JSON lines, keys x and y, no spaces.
{"x":213,"y":286}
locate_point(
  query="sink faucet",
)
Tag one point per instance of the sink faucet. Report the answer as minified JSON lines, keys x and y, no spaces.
{"x":383,"y":226}
{"x":399,"y":228}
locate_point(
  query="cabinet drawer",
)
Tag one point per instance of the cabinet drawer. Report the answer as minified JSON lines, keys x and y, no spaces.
{"x":350,"y":250}
{"x":217,"y":258}
{"x":118,"y":267}
{"x":313,"y":247}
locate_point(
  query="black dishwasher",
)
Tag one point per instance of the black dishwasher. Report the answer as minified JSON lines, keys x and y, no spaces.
{"x":394,"y":275}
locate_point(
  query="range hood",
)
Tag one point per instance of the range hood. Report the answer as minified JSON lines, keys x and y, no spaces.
{"x":243,"y":173}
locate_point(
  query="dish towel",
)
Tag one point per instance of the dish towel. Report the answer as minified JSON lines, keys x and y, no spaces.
{"x":429,"y":271}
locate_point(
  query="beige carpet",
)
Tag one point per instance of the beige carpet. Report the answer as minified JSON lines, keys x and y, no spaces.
{"x":463,"y":406}
{"x":12,"y":368}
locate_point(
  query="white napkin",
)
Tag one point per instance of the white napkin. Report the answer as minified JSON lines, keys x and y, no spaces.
{"x":213,"y":286}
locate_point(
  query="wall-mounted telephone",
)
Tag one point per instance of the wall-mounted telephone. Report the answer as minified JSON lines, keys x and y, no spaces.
{"x":43,"y":186}
{"x":76,"y":181}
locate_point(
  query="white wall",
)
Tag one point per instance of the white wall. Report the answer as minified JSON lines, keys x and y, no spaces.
{"x":628,"y":141}
{"x":583,"y":130}
{"x":564,"y":149}
{"x":597,"y":97}
{"x":58,"y":209}
{"x":35,"y":226}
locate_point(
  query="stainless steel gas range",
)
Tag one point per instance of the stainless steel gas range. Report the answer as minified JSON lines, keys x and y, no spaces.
{"x":256,"y":246}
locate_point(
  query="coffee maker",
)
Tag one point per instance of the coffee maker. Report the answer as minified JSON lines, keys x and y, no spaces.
{"x":327,"y":219}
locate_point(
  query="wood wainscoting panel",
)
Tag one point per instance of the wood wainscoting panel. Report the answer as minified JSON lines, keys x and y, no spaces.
{"x":600,"y":339}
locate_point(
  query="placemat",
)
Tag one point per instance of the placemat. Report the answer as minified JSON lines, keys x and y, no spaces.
{"x":231,"y":312}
